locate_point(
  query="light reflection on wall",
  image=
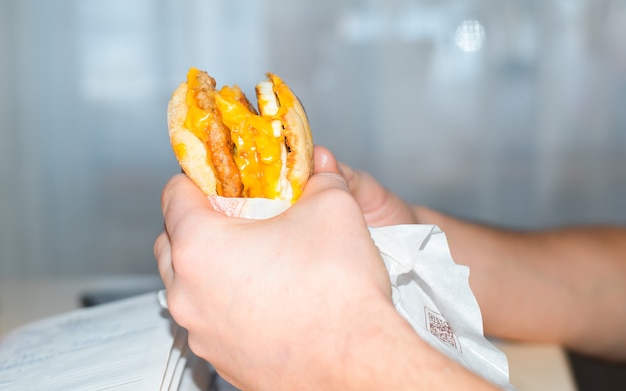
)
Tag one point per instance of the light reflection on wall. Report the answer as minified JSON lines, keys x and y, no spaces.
{"x":470,"y":36}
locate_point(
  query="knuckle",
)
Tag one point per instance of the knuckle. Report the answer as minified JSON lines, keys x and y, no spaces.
{"x":179,"y":309}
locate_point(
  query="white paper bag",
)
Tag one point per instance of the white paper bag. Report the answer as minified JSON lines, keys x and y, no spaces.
{"x":433,"y":294}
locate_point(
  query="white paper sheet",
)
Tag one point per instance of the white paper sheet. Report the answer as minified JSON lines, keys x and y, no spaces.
{"x":130,"y":344}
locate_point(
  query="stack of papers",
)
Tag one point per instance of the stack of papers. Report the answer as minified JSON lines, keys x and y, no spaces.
{"x":130,"y":344}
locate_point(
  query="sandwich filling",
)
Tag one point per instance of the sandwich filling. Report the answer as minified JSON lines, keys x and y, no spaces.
{"x":246,"y":148}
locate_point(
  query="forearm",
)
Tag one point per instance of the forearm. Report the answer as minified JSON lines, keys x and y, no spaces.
{"x":388,"y":354}
{"x":565,"y":285}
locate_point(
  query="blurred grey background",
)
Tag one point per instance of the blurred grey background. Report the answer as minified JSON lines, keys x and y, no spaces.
{"x":509,"y":112}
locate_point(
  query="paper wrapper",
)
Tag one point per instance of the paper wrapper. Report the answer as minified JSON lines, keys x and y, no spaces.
{"x":429,"y":289}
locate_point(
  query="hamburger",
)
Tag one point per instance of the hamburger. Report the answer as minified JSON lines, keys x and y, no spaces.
{"x":227,"y":147}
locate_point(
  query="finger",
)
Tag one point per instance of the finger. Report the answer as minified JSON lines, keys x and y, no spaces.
{"x":326,"y":188}
{"x":181,"y":200}
{"x":379,"y":205}
{"x":349,"y":174}
{"x":324,"y":160}
{"x":364,"y":188}
{"x":163,"y":255}
{"x":326,"y":172}
{"x":180,"y":187}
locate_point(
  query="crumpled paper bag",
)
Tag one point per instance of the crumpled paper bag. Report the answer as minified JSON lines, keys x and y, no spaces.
{"x":433,"y":294}
{"x":429,"y":289}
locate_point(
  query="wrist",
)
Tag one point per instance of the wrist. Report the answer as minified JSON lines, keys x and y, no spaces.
{"x":376,"y":350}
{"x":386,"y":353}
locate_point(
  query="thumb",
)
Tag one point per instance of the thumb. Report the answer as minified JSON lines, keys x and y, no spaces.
{"x":326,"y":173}
{"x":327,"y":200}
{"x":324,"y":161}
{"x":380,"y":206}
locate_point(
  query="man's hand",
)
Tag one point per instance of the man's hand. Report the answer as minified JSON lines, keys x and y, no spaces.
{"x":380,"y":206}
{"x":278,"y":297}
{"x":296,"y":302}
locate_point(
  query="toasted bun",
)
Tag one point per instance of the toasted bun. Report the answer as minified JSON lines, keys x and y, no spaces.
{"x":190,"y":151}
{"x":280,"y":114}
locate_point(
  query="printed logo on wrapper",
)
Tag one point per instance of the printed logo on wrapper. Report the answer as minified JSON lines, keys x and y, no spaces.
{"x":230,"y":206}
{"x":437,"y":325}
{"x":249,"y":208}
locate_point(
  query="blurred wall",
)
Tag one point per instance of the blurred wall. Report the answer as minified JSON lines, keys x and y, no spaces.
{"x":510,"y":112}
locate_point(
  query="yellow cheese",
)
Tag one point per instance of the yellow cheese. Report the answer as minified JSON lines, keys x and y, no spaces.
{"x":257,"y":149}
{"x":197,"y":119}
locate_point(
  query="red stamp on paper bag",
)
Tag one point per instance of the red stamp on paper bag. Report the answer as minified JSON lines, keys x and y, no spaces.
{"x":437,"y":325}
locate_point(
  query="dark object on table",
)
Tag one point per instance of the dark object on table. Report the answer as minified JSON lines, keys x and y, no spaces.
{"x":593,"y":374}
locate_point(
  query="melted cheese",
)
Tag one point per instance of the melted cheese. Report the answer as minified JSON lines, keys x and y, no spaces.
{"x":180,"y":150}
{"x":197,"y":120}
{"x":258,"y":142}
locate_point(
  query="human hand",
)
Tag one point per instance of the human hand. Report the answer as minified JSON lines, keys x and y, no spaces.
{"x":380,"y":206}
{"x":273,"y":304}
